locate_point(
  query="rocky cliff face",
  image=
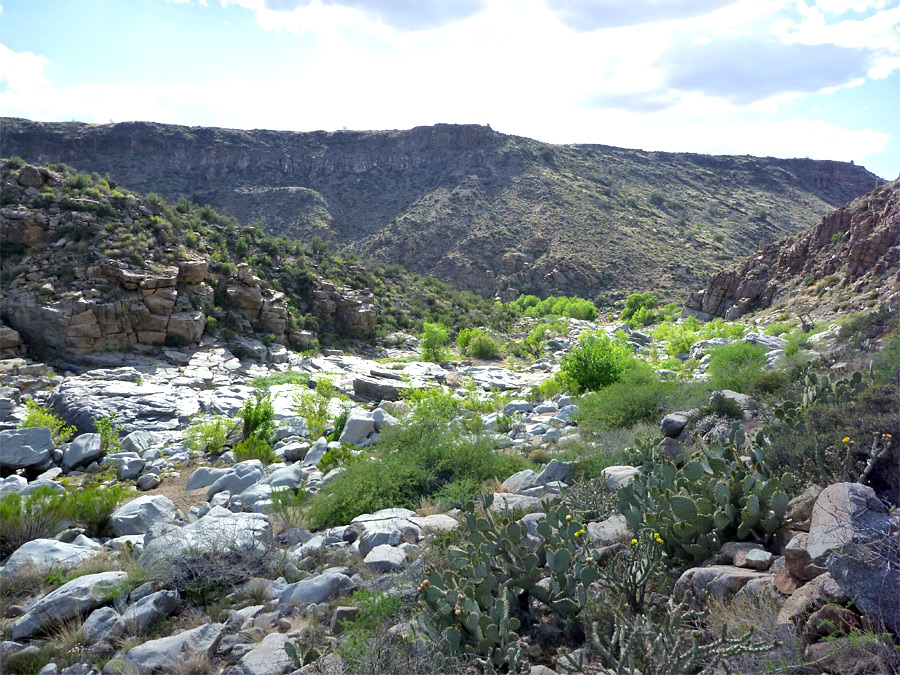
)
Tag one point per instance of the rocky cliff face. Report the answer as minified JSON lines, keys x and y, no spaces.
{"x":66,"y":299}
{"x":856,"y":247}
{"x":491,"y":213}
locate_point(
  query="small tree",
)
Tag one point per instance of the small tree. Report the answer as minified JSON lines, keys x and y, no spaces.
{"x":433,"y":341}
{"x":637,"y":301}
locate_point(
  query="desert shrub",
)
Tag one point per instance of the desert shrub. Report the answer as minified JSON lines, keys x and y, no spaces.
{"x":465,"y":337}
{"x":413,"y":459}
{"x":734,"y":366}
{"x":39,"y":416}
{"x":550,"y":388}
{"x":287,"y":377}
{"x":312,"y":406}
{"x":258,"y":414}
{"x":638,"y":301}
{"x":109,"y":432}
{"x":254,"y":447}
{"x":287,"y":507}
{"x":15,"y":162}
{"x":91,"y":508}
{"x":81,"y":181}
{"x":575,"y":308}
{"x":340,"y":421}
{"x":207,"y":433}
{"x":777,"y":329}
{"x":638,"y":396}
{"x":483,"y":347}
{"x":39,"y":514}
{"x":433,"y":341}
{"x":596,"y":363}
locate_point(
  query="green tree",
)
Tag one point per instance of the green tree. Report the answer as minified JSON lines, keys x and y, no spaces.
{"x":433,"y":341}
{"x":637,"y":301}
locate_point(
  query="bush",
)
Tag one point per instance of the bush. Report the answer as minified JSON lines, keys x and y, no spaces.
{"x":258,"y":414}
{"x":37,"y":515}
{"x":109,"y":433}
{"x":15,"y":162}
{"x":208,"y":433}
{"x":735,"y":366}
{"x":92,"y":508}
{"x":575,"y":308}
{"x":287,"y":508}
{"x":414,"y":459}
{"x":637,"y":397}
{"x":255,"y":447}
{"x":597,"y":363}
{"x":638,"y":301}
{"x":483,"y":347}
{"x":433,"y":341}
{"x":39,"y":416}
{"x":312,"y":406}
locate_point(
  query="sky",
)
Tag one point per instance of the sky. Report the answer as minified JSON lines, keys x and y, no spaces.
{"x":801,"y":78}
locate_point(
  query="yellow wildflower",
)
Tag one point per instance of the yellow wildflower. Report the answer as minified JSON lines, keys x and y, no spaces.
{"x":569,"y":517}
{"x":846,"y":439}
{"x":634,"y":541}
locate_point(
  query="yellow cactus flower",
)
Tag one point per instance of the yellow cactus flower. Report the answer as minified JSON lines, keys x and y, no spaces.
{"x":569,"y":517}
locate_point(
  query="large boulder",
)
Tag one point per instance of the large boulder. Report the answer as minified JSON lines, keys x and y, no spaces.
{"x":321,"y":588}
{"x":85,"y":449}
{"x":25,"y":448}
{"x":161,"y":656}
{"x":148,"y":609}
{"x":851,"y":529}
{"x":717,"y":583}
{"x":103,"y":624}
{"x":266,"y":658}
{"x":356,"y":429}
{"x":45,"y":554}
{"x":238,"y":478}
{"x":76,"y":598}
{"x":137,"y":516}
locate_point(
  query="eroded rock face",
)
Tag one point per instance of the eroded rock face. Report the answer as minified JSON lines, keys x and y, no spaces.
{"x":856,"y":243}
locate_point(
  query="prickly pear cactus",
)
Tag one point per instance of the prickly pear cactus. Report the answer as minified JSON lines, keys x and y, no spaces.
{"x":478,"y":605}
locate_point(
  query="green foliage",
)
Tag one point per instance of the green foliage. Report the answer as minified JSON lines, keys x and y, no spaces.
{"x":637,"y":301}
{"x":465,"y":337}
{"x":413,"y":459}
{"x":258,"y":414}
{"x":735,"y":366}
{"x":15,"y":162}
{"x":596,"y":363}
{"x":479,"y":603}
{"x":713,"y":498}
{"x":433,"y":341}
{"x":312,"y":406}
{"x":777,"y":329}
{"x":39,"y":416}
{"x":91,"y":508}
{"x":254,"y":447}
{"x":287,"y":507}
{"x":207,"y":433}
{"x":81,"y":181}
{"x":39,"y":514}
{"x":332,"y":459}
{"x":43,"y":513}
{"x":287,"y":377}
{"x":110,"y":433}
{"x":638,"y":396}
{"x":340,"y":421}
{"x":575,"y":308}
{"x":680,"y":337}
{"x":483,"y":347}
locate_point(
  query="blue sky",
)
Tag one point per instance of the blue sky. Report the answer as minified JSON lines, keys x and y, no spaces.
{"x":799,"y":78}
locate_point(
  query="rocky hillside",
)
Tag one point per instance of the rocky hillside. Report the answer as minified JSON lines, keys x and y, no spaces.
{"x":849,"y":260}
{"x":495,"y":214}
{"x":89,"y":266}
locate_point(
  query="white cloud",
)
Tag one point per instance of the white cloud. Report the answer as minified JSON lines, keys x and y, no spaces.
{"x":22,"y":71}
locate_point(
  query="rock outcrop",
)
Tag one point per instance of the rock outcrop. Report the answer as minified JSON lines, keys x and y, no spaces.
{"x":854,"y":247}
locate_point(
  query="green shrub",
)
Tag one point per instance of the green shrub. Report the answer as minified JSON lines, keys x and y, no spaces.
{"x":483,"y":347}
{"x":465,"y":337}
{"x":287,"y":507}
{"x":39,"y":416}
{"x":81,"y":181}
{"x":340,"y":422}
{"x":110,"y":433}
{"x":433,"y":341}
{"x":287,"y":377}
{"x":254,"y":447}
{"x":37,"y":515}
{"x":735,"y":366}
{"x":575,"y":308}
{"x":638,"y":301}
{"x":413,"y":459}
{"x":596,"y":363}
{"x":208,"y":433}
{"x":777,"y":329}
{"x":92,"y":507}
{"x":15,"y":162}
{"x":638,"y":396}
{"x":258,"y":414}
{"x":332,"y":459}
{"x":312,"y":406}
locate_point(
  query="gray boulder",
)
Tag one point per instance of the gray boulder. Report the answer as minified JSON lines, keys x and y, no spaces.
{"x":717,"y":583}
{"x":385,"y":558}
{"x":266,"y":658}
{"x":129,"y":468}
{"x":137,"y":516}
{"x":25,"y":448}
{"x":520,"y":481}
{"x":44,"y":554}
{"x":138,"y":441}
{"x":203,"y":477}
{"x":287,"y":477}
{"x":615,"y":477}
{"x":238,"y":478}
{"x":321,"y":588}
{"x":82,"y":451}
{"x":161,"y":656}
{"x":148,"y":609}
{"x":316,"y":450}
{"x":673,"y":424}
{"x":103,"y":624}
{"x":357,"y":429}
{"x":78,"y":597}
